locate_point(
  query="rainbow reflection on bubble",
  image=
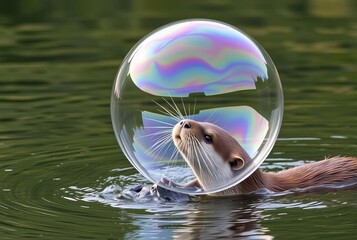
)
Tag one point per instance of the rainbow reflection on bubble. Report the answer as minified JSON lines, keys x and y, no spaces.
{"x":153,"y":141}
{"x":195,"y":57}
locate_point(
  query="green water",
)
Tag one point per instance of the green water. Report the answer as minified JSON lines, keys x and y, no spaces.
{"x":60,"y":165}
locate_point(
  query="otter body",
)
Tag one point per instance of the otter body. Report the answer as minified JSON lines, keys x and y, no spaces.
{"x":322,"y":173}
{"x":215,"y":157}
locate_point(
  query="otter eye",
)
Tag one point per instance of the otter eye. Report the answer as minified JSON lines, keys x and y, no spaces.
{"x":208,"y":138}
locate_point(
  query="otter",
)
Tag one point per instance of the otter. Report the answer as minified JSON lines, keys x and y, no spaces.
{"x":214,"y":156}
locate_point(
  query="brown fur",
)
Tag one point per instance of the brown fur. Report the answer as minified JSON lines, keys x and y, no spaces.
{"x":325,"y":172}
{"x":321,"y":173}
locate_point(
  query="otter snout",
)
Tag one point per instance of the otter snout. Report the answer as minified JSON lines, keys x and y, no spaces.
{"x":185,"y":124}
{"x":181,"y":129}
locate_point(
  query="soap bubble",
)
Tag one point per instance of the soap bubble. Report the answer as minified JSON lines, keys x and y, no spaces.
{"x":203,"y":70}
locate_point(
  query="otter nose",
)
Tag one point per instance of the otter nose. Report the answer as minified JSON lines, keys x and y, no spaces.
{"x":185,"y":124}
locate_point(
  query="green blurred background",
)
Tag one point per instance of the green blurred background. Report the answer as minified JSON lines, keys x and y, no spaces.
{"x":58,"y":154}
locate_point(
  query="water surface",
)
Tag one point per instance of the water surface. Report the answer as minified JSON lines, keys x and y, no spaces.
{"x":61,"y":167}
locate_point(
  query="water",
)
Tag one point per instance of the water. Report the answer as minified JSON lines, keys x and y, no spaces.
{"x":60,"y":165}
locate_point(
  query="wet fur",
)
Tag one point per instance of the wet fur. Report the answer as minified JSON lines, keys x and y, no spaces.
{"x":210,"y":163}
{"x":206,"y":159}
{"x":321,"y":173}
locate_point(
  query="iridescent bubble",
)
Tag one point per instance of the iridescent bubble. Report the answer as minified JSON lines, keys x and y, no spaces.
{"x":203,"y":70}
{"x":199,"y":56}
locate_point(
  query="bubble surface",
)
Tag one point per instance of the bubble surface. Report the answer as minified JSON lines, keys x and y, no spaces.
{"x":203,"y":70}
{"x":200,"y":56}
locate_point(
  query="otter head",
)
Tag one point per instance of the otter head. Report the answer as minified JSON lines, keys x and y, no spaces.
{"x":211,"y":152}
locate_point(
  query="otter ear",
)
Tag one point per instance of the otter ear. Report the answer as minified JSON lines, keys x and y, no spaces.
{"x":236,"y":162}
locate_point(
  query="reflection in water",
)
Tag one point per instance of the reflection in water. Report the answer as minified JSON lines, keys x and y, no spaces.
{"x":200,"y":218}
{"x":224,"y":218}
{"x":208,"y":217}
{"x":229,"y":218}
{"x":57,"y":64}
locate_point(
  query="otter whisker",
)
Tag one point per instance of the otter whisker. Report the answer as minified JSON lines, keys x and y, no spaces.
{"x":155,"y":120}
{"x":190,"y":154}
{"x":193,"y":153}
{"x":206,"y":159}
{"x":183,"y":106}
{"x":196,"y":158}
{"x":163,"y":140}
{"x":155,"y":152}
{"x":155,"y":134}
{"x":189,"y":111}
{"x":174,"y":155}
{"x":212,"y":164}
{"x":175,"y":109}
{"x":162,"y":127}
{"x":171,"y":115}
{"x":199,"y":157}
{"x":194,"y":108}
{"x":170,"y":112}
{"x":186,"y":150}
{"x":167,"y":145}
{"x":210,"y":117}
{"x":204,"y":168}
{"x":166,"y":111}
